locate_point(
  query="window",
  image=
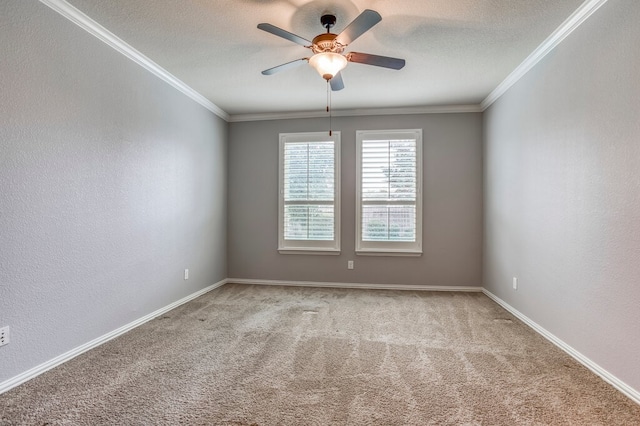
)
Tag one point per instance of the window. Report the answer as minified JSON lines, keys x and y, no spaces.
{"x":309,"y":202}
{"x":389,"y":192}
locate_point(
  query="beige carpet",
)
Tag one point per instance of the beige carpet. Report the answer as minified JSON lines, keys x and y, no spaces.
{"x":248,"y":355}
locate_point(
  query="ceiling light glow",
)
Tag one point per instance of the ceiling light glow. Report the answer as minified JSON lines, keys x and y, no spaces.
{"x":328,"y":64}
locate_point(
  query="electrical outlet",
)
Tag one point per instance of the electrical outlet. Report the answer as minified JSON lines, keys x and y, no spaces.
{"x":4,"y":336}
{"x":186,"y":274}
{"x":350,"y":264}
{"x":515,"y":283}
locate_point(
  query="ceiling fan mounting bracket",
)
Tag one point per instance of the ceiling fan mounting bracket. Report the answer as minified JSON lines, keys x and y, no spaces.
{"x":328,"y":21}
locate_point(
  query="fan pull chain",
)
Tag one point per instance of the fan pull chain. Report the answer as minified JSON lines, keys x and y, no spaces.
{"x":329,"y":107}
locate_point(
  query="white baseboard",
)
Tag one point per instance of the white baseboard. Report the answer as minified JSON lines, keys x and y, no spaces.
{"x":604,"y":374}
{"x":354,"y":285}
{"x":36,"y":371}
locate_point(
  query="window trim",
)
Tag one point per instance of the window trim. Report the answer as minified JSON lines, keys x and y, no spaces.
{"x":314,"y":247}
{"x":388,"y":248}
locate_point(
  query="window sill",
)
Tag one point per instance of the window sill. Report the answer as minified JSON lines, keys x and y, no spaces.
{"x":316,"y":252}
{"x":388,"y":253}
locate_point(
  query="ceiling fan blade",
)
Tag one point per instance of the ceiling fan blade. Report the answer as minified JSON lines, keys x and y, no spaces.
{"x":336,"y":82}
{"x":378,"y":61}
{"x":363,"y":22}
{"x":286,"y":66}
{"x":284,"y":34}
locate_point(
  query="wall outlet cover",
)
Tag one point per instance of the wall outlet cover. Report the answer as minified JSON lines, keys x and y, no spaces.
{"x":4,"y":336}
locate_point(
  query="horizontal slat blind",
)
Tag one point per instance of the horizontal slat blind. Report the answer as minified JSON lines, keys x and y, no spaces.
{"x":309,"y":190}
{"x":389,"y":190}
{"x":388,"y":223}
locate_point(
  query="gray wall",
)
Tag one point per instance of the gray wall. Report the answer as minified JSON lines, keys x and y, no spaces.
{"x":111,"y":183}
{"x":452,"y":204}
{"x":562,"y":191}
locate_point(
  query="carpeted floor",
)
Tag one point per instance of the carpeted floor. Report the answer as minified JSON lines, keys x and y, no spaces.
{"x":250,"y":355}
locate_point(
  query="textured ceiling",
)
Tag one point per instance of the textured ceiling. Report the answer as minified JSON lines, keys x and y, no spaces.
{"x":457,"y":51}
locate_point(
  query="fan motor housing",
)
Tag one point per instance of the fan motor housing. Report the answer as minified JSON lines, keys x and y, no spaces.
{"x":326,"y":42}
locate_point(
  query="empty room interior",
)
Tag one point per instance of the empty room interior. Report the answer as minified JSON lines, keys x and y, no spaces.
{"x":225,"y":212}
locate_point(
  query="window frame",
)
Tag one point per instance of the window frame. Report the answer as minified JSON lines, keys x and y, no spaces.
{"x":389,"y":248}
{"x":314,"y":247}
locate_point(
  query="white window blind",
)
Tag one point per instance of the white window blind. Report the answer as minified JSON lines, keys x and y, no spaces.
{"x":389,"y":192}
{"x":308,"y":192}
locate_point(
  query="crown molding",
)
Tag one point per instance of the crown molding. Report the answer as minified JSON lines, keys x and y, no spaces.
{"x":92,"y":27}
{"x":444,"y":109}
{"x":101,"y":33}
{"x":566,"y":28}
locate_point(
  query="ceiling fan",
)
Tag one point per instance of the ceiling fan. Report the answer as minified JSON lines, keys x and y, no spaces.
{"x":328,"y":58}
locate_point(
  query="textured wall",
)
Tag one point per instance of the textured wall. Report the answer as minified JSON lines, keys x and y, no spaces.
{"x":111,"y":183}
{"x":562,"y":191}
{"x":452,"y":204}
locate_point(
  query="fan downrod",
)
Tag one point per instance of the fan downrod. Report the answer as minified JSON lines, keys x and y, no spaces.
{"x":328,"y":21}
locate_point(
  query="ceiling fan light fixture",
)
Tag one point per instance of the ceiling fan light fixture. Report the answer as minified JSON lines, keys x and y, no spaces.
{"x":328,"y":64}
{"x":328,"y":58}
